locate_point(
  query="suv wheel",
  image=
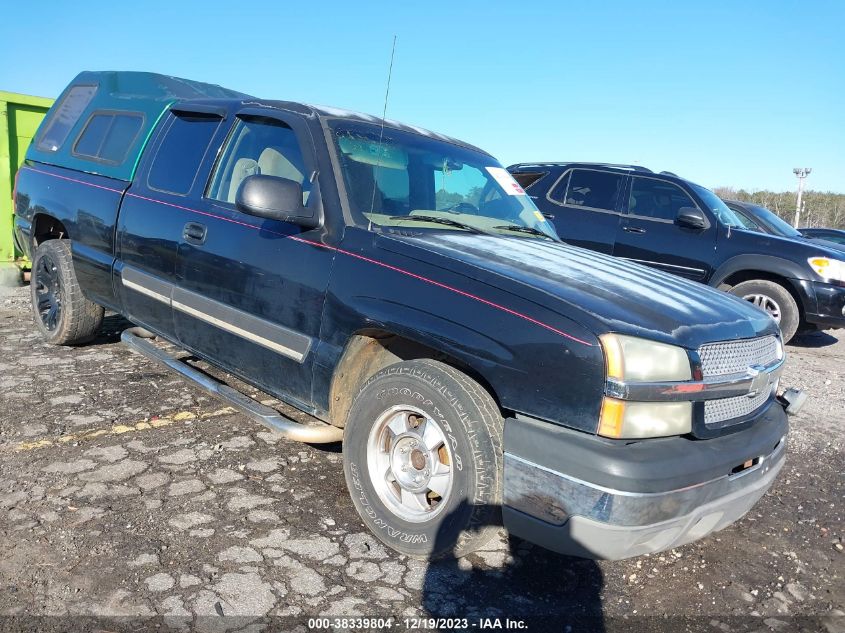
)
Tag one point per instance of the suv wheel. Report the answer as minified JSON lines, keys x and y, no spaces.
{"x":773,"y":299}
{"x":423,"y":459}
{"x":62,"y":313}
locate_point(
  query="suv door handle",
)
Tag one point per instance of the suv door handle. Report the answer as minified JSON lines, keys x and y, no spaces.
{"x":633,"y":229}
{"x":194,"y":233}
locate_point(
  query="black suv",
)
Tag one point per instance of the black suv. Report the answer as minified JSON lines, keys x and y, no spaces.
{"x":668,"y":222}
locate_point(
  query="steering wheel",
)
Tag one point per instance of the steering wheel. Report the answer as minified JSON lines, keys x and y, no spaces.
{"x":462,"y":207}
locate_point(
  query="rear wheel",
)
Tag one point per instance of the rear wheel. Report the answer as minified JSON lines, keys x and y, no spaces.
{"x":423,"y":459}
{"x":773,"y":299}
{"x":62,"y":313}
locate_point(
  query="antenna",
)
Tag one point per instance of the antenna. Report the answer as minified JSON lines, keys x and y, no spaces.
{"x":381,"y":131}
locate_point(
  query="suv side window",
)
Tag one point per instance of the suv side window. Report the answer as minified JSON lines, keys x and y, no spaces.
{"x":590,"y":189}
{"x":259,"y":145}
{"x":657,"y":199}
{"x":181,"y":153}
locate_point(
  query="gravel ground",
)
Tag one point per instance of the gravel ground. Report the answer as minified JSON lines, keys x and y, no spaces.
{"x":127,"y":494}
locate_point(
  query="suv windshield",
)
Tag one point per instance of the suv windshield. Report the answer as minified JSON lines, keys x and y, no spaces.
{"x":713,"y":202}
{"x":399,"y":178}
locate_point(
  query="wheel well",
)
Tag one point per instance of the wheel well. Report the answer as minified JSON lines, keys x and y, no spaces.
{"x":46,"y":227}
{"x":369,"y":351}
{"x":748,"y":275}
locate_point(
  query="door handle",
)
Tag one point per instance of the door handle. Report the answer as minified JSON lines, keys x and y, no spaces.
{"x":194,"y":233}
{"x":633,"y":229}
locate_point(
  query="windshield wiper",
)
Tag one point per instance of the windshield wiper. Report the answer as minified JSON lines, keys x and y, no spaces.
{"x":526,"y":229}
{"x":447,"y":221}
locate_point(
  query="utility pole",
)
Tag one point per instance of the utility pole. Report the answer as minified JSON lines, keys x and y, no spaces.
{"x":802,"y":173}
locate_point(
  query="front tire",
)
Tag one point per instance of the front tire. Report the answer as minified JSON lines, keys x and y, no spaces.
{"x":773,"y":299}
{"x":423,"y":459}
{"x":62,"y":313}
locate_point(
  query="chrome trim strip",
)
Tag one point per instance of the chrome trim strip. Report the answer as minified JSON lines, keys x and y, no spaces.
{"x":660,"y":264}
{"x":234,"y":329}
{"x":289,"y":343}
{"x":748,"y":383}
{"x":145,"y":291}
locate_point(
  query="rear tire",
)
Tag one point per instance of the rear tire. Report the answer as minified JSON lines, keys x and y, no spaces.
{"x":423,"y":459}
{"x":62,"y":313}
{"x":773,"y":299}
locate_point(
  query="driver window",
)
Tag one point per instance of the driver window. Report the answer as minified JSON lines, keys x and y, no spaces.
{"x":258,"y":146}
{"x":657,"y":199}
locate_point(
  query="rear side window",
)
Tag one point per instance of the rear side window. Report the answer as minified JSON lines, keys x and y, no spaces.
{"x":108,"y":136}
{"x":64,"y":117}
{"x":181,"y":153}
{"x":590,"y":189}
{"x":657,"y":199}
{"x":526,"y":179}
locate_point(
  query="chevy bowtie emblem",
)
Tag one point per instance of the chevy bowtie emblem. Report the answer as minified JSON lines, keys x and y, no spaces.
{"x":761,"y":379}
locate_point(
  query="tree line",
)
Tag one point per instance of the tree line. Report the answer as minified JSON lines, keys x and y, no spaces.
{"x":821,"y":208}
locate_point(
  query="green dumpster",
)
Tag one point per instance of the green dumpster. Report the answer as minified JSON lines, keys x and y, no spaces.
{"x":20,"y":116}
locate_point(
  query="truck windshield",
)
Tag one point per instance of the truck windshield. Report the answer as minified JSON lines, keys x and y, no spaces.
{"x":713,"y":202}
{"x":399,"y":178}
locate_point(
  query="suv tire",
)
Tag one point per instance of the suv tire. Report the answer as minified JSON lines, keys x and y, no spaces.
{"x":423,"y":459}
{"x":62,"y":313}
{"x":774,"y":299}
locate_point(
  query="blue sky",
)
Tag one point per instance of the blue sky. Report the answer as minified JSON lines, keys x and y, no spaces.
{"x":724,"y":93}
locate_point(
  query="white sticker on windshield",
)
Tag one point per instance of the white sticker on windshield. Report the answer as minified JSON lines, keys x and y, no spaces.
{"x":506,"y":181}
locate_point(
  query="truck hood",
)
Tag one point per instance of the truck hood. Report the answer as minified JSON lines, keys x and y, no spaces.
{"x":600,"y":292}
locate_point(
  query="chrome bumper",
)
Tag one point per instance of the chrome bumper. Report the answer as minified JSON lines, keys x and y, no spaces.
{"x":554,"y":497}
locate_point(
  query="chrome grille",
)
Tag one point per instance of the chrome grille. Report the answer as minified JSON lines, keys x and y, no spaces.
{"x":735,"y":357}
{"x":725,"y":411}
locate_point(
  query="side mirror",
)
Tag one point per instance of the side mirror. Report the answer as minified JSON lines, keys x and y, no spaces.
{"x":274,"y":198}
{"x":691,"y":218}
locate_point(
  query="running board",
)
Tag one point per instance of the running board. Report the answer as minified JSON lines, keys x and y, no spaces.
{"x":134,"y":339}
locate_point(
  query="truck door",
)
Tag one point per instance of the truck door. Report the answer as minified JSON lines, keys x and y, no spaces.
{"x":152,"y":217}
{"x":251,"y":290}
{"x":648,"y":233}
{"x":585,"y":205}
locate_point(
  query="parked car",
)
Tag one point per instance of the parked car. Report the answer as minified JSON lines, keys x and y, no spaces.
{"x":399,"y":287}
{"x":758,"y":218}
{"x":829,"y":235}
{"x":675,"y":225}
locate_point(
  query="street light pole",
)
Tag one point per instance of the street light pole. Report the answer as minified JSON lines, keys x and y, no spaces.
{"x":802,"y":173}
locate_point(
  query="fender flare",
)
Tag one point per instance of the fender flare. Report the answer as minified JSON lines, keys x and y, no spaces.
{"x":765,"y":263}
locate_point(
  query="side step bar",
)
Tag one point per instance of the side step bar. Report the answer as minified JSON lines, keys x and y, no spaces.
{"x":134,"y":339}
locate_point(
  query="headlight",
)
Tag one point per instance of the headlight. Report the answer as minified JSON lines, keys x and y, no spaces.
{"x":634,"y":360}
{"x":828,"y":268}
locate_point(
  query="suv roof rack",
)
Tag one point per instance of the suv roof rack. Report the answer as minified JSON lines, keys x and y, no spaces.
{"x":639,"y":168}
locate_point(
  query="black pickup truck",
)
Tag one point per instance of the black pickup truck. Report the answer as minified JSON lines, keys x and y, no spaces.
{"x":399,"y":287}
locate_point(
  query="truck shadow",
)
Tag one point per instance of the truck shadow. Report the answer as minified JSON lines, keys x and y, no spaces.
{"x":515,"y":580}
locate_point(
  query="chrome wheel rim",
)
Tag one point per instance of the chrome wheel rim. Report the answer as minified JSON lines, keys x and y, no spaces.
{"x":410,"y":463}
{"x":766,"y":304}
{"x":48,"y":293}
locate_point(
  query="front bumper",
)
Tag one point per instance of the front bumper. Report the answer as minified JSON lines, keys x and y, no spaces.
{"x":610,"y":499}
{"x":830,"y":306}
